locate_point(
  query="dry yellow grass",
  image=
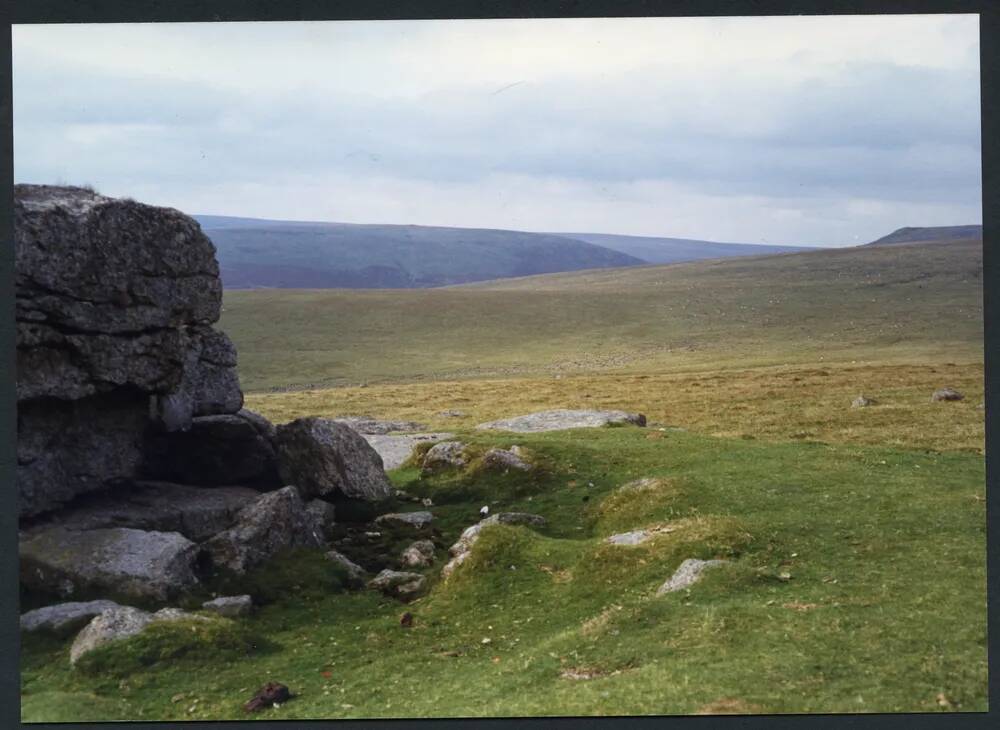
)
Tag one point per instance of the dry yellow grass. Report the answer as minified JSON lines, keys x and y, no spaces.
{"x":774,"y":404}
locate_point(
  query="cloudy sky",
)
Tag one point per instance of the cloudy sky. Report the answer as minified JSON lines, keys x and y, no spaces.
{"x":813,"y":130}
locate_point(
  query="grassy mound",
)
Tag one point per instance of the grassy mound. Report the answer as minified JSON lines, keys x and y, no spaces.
{"x":194,"y":639}
{"x":643,"y":500}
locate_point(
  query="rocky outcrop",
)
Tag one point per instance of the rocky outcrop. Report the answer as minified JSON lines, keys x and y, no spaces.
{"x":273,"y":522}
{"x":558,"y":420}
{"x":117,"y":561}
{"x":114,"y":306}
{"x":327,"y":459}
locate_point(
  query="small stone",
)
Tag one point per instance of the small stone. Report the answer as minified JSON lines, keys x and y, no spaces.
{"x":230,"y":606}
{"x":355,"y":573}
{"x":863,"y":402}
{"x":946,"y":394}
{"x":687,"y":574}
{"x":418,"y":555}
{"x":417,"y":520}
{"x":398,"y":584}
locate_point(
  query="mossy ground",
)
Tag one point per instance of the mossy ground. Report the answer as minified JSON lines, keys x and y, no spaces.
{"x":856,"y":584}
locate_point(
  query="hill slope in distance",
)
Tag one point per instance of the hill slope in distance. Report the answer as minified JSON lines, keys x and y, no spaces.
{"x":658,"y":250}
{"x":913,"y":303}
{"x":290,"y":254}
{"x":931,"y":234}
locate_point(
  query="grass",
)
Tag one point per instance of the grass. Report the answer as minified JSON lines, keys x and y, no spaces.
{"x":883,"y":609}
{"x":916,"y":304}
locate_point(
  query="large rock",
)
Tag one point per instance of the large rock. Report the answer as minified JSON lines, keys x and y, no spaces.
{"x":558,"y":420}
{"x":114,"y":302}
{"x":221,"y":449}
{"x":195,"y":512}
{"x":324,"y":458}
{"x":120,"y":561}
{"x":418,"y":555}
{"x":356,"y":575}
{"x":63,"y":616}
{"x":273,"y":522}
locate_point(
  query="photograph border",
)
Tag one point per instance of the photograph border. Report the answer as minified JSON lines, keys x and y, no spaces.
{"x":119,"y":11}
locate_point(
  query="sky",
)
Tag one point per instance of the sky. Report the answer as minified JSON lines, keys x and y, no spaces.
{"x":784,"y":130}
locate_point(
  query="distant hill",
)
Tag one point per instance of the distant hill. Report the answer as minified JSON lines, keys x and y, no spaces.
{"x":257,"y":253}
{"x":675,"y":250}
{"x":931,"y":234}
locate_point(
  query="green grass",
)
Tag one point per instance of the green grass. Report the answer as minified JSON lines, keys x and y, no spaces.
{"x":884,"y":609}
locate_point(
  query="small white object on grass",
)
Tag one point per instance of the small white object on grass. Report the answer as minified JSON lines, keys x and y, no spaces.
{"x":484,"y":510}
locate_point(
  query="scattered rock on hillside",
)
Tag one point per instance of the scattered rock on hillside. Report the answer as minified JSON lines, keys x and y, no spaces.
{"x":230,"y":606}
{"x":452,"y":413}
{"x":195,"y":512}
{"x":946,"y":394}
{"x":224,"y":449}
{"x":63,"y":616}
{"x":120,"y":623}
{"x":635,"y":537}
{"x":462,"y":547}
{"x":324,"y":458}
{"x":863,"y":402}
{"x":271,"y":694}
{"x":111,"y":625}
{"x":445,"y":455}
{"x":273,"y":522}
{"x":506,"y":459}
{"x":373,"y":426}
{"x":418,"y":555}
{"x":356,"y":575}
{"x":416,"y":520}
{"x":395,"y":449}
{"x":398,"y":584}
{"x":557,"y":420}
{"x":120,"y":561}
{"x":687,"y":574}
